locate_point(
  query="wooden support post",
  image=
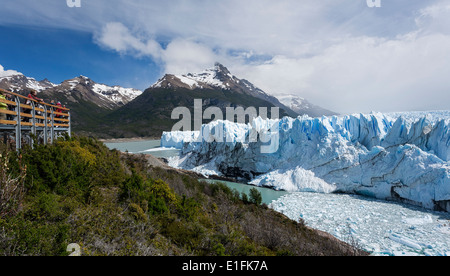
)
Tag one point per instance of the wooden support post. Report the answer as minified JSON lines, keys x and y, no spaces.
{"x":52,"y":132}
{"x":70,"y":124}
{"x":33,"y":124}
{"x":45,"y":126}
{"x":18,"y":125}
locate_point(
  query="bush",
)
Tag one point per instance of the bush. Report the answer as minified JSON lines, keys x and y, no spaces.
{"x":154,"y":196}
{"x":255,"y":196}
{"x":12,"y":189}
{"x":72,"y":166}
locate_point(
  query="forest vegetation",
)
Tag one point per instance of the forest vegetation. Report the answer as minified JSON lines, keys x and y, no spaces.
{"x":117,"y":204}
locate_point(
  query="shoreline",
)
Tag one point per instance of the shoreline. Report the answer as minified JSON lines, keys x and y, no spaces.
{"x":126,"y":140}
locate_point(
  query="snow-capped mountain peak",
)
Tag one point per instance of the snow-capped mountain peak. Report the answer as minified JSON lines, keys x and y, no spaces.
{"x":219,"y":77}
{"x":116,"y":94}
{"x":102,"y":95}
{"x":16,"y":81}
{"x":212,"y":78}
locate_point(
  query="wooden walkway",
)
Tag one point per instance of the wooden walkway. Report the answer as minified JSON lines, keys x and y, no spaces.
{"x":39,"y":119}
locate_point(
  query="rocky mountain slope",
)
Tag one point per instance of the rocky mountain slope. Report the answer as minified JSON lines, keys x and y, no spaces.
{"x":19,"y":82}
{"x":104,"y":96}
{"x":68,"y":92}
{"x":150,"y":113}
{"x":88,"y":101}
{"x":302,"y":106}
{"x":116,"y":112}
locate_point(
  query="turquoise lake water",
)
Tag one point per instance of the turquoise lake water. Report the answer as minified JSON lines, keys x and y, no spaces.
{"x":147,"y":147}
{"x":153,"y":147}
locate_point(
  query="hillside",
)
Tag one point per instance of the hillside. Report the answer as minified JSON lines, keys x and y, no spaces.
{"x":78,"y":191}
{"x":150,"y":114}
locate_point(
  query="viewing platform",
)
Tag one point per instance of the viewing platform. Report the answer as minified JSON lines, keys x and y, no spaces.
{"x":25,"y":120}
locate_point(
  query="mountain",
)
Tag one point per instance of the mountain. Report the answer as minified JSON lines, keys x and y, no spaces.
{"x":89,"y":101}
{"x":116,"y":112}
{"x":83,"y":88}
{"x":218,"y":77}
{"x":150,"y":113}
{"x":18,"y":82}
{"x":302,"y":107}
{"x":104,"y":96}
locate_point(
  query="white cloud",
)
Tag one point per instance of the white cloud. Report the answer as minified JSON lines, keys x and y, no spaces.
{"x":365,"y":74}
{"x":180,"y":55}
{"x":338,"y":54}
{"x":116,"y":36}
{"x":7,"y":73}
{"x":435,"y":18}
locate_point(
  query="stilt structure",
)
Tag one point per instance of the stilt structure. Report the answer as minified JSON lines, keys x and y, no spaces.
{"x":36,"y":119}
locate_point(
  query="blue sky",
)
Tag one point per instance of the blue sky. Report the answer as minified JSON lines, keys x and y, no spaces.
{"x":59,"y":54}
{"x":339,"y":54}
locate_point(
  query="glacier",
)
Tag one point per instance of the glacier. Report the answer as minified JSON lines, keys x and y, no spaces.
{"x":393,"y":156}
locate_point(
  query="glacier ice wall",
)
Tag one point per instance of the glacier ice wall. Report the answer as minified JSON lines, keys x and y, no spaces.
{"x":392,"y":157}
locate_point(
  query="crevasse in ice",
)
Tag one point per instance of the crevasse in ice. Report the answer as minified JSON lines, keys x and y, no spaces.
{"x":402,"y":156}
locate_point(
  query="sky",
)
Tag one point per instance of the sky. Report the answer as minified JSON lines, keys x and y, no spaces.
{"x":340,"y":54}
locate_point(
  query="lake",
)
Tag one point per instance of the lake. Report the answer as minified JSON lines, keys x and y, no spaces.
{"x":153,"y":147}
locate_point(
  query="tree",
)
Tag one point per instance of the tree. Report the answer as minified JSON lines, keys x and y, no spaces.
{"x":255,"y":196}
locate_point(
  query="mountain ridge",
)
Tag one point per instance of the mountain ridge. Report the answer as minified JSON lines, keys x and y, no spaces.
{"x":110,"y":96}
{"x":220,"y":77}
{"x":116,"y":112}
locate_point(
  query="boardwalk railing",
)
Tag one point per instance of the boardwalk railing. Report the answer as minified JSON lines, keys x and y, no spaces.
{"x":37,"y":118}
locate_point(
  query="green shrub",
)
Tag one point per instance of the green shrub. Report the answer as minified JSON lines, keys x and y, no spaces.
{"x":255,"y":196}
{"x":12,"y":189}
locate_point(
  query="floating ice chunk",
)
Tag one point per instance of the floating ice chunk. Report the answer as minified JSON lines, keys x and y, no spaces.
{"x":295,"y":180}
{"x":405,"y":241}
{"x":419,"y":221}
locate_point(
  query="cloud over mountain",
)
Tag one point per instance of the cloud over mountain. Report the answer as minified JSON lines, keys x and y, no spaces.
{"x":343,"y":54}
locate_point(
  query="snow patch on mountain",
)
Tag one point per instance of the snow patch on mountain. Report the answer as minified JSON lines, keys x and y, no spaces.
{"x":14,"y":80}
{"x":292,"y":101}
{"x":302,"y":106}
{"x":113,"y":94}
{"x":208,"y":78}
{"x":117,"y":94}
